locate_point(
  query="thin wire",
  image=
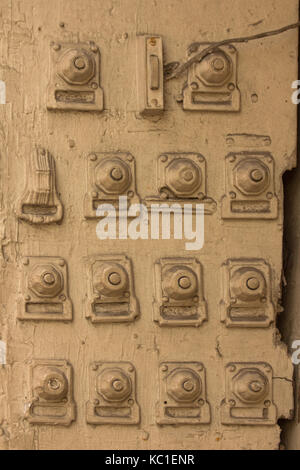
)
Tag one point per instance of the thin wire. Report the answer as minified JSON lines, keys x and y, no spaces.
{"x":197,"y":57}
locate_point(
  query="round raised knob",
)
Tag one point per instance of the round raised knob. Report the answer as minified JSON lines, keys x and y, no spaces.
{"x":79,"y":63}
{"x":251,"y":386}
{"x":184,"y":385}
{"x":248,"y":284}
{"x":251,"y":176}
{"x":113,"y":176}
{"x":180,"y":282}
{"x":188,"y":175}
{"x":257,"y":175}
{"x":218,"y":64}
{"x":114,"y":385}
{"x":188,"y":385}
{"x":116,"y":174}
{"x":214,"y":69}
{"x":183,"y":177}
{"x":111,"y":279}
{"x":253,"y":283}
{"x":54,"y":385}
{"x":255,"y":386}
{"x":45,"y":280}
{"x":114,"y":279}
{"x":76,"y":66}
{"x":49,"y":278}
{"x":184,"y":282}
{"x":118,"y":385}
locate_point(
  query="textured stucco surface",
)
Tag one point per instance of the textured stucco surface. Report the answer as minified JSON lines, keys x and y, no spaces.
{"x":266,"y":68}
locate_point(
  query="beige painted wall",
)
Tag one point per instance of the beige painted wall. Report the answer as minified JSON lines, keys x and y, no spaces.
{"x":266,"y":69}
